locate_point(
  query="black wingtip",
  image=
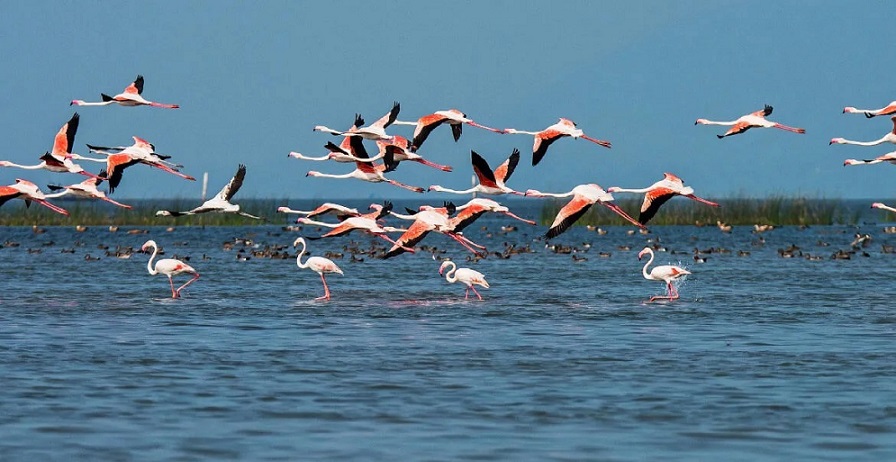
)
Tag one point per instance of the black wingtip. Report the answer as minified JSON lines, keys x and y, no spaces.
{"x":869,"y":115}
{"x":720,"y":136}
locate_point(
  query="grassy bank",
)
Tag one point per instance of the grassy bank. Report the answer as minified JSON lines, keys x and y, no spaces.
{"x":733,"y":211}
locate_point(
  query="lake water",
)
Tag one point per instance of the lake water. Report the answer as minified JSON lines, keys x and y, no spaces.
{"x":762,"y":358}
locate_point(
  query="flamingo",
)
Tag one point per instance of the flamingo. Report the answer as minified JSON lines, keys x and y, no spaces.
{"x":466,"y":276}
{"x":658,"y":193}
{"x":169,"y":267}
{"x":889,"y":109}
{"x":429,"y":219}
{"x":546,"y":137}
{"x":367,"y":223}
{"x":400,"y":150}
{"x":59,"y":159}
{"x":888,"y":157}
{"x":344,"y":152}
{"x":87,"y":188}
{"x":453,"y":117}
{"x":666,"y":273}
{"x":326,"y":207}
{"x":584,"y":196}
{"x":132,"y":96}
{"x":141,"y":149}
{"x":221,"y":202}
{"x":888,"y":138}
{"x":375,"y":131}
{"x":116,"y":163}
{"x":319,"y":265}
{"x":27,"y":191}
{"x":746,"y":122}
{"x":882,"y":206}
{"x":475,"y":208}
{"x":489,"y":182}
{"x":366,"y":171}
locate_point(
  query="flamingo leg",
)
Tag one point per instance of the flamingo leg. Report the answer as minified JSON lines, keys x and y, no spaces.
{"x":476,"y":292}
{"x":477,"y":125}
{"x":88,"y":174}
{"x":195,"y":277}
{"x":444,"y":168}
{"x":50,"y":206}
{"x":166,"y":106}
{"x":326,"y":295}
{"x":116,"y":203}
{"x":603,"y":143}
{"x":408,"y":187}
{"x":466,"y":293}
{"x":790,"y":129}
{"x":406,"y":249}
{"x":172,"y":171}
{"x":171,"y":282}
{"x":463,"y":241}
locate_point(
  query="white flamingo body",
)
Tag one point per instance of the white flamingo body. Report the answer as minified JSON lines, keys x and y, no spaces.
{"x":27,"y":191}
{"x":465,"y":276}
{"x":221,"y":202}
{"x":888,"y":138}
{"x":87,"y":189}
{"x":319,"y":265}
{"x":753,"y":120}
{"x":869,"y":113}
{"x":544,"y":138}
{"x":131,"y":96}
{"x":326,"y":207}
{"x":583,"y":197}
{"x":665,"y":273}
{"x":375,"y":131}
{"x":169,"y":267}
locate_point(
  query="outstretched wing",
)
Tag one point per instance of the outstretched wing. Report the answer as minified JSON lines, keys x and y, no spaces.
{"x":387,"y":119}
{"x":653,"y":200}
{"x":425,"y":126}
{"x":233,"y":186}
{"x":569,"y":214}
{"x":483,"y":171}
{"x":503,"y":172}
{"x":136,"y":87}
{"x":543,"y":140}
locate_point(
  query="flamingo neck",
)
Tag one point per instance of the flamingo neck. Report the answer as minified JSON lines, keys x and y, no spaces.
{"x":519,"y":132}
{"x":450,"y":276}
{"x":717,"y":122}
{"x":644,"y":270}
{"x":624,"y":190}
{"x":149,"y":266}
{"x":299,"y":257}
{"x":438,"y":188}
{"x":27,"y":167}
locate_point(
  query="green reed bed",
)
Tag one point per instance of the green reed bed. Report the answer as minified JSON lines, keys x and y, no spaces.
{"x":143,"y":213}
{"x":777,"y":210}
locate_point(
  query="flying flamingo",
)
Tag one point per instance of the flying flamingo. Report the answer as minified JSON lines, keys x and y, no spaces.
{"x":888,"y":157}
{"x":882,"y":206}
{"x":466,"y":276}
{"x":141,"y":149}
{"x":367,"y":223}
{"x":658,"y":193}
{"x":87,"y":188}
{"x":132,"y":96}
{"x":221,"y":202}
{"x":375,"y":131}
{"x":746,"y":122}
{"x":326,"y":207}
{"x":344,"y":152}
{"x":169,"y":267}
{"x":116,"y":163}
{"x":400,"y":150}
{"x":546,"y":137}
{"x":429,"y":219}
{"x":453,"y":117}
{"x":27,"y":191}
{"x":889,"y":109}
{"x":319,"y":265}
{"x":666,"y":273}
{"x":365,"y":171}
{"x":475,"y":208}
{"x":59,"y":159}
{"x":584,"y":196}
{"x":489,"y":182}
{"x":888,"y":138}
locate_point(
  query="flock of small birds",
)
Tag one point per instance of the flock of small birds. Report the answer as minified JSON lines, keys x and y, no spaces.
{"x":448,"y":218}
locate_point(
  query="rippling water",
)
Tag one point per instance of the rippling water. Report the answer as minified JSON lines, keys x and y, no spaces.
{"x":763,"y":357}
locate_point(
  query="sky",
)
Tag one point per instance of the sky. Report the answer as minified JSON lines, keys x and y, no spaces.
{"x":254,"y":78}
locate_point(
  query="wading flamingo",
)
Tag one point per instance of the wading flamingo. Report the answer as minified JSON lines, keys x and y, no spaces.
{"x":27,"y":191}
{"x":746,"y":122}
{"x":221,"y":202}
{"x":888,"y":157}
{"x":87,"y":188}
{"x":375,"y":131}
{"x":169,"y":267}
{"x":465,"y":276}
{"x":665,"y":273}
{"x":869,"y":113}
{"x":489,"y":182}
{"x":658,"y":193}
{"x":131,"y":96}
{"x":888,"y":138}
{"x":319,"y":265}
{"x":584,"y":196}
{"x":882,"y":206}
{"x":453,"y":117}
{"x":544,"y":138}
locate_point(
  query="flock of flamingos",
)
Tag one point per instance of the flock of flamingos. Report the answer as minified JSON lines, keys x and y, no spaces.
{"x":448,"y":219}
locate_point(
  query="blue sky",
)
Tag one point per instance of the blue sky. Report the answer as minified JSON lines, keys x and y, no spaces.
{"x":253,"y":78}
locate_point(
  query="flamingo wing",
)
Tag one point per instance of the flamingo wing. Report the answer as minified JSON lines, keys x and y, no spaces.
{"x":115,"y":165}
{"x":483,"y":171}
{"x":764,"y":112}
{"x":737,"y":129}
{"x":894,"y":125}
{"x":415,"y":233}
{"x":425,"y":126}
{"x":228,"y":191}
{"x":456,"y":131}
{"x":653,"y":200}
{"x":65,"y":139}
{"x":568,"y":215}
{"x":542,"y":141}
{"x":503,"y":172}
{"x":7,"y":193}
{"x":136,"y":87}
{"x":466,"y":217}
{"x":387,"y":119}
